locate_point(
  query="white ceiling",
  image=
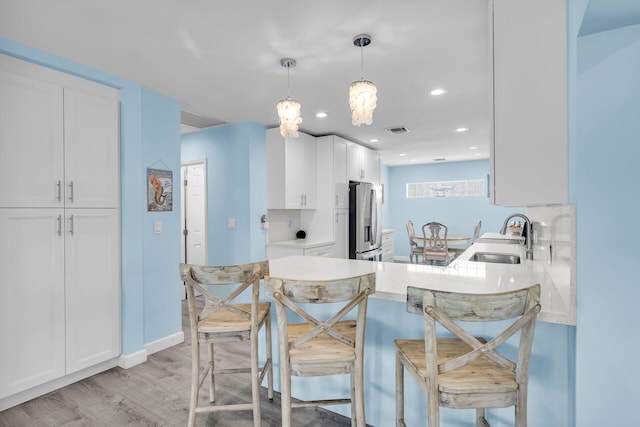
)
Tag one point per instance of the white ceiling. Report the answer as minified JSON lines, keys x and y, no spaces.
{"x":222,"y":59}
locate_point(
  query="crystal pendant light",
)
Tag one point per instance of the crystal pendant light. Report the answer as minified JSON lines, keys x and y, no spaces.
{"x":289,"y":110}
{"x":362,"y":93}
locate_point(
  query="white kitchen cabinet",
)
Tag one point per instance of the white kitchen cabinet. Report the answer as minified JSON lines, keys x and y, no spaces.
{"x":291,"y":171}
{"x":387,"y":245}
{"x":333,"y":183}
{"x":56,"y":142}
{"x":341,"y":233}
{"x":363,"y":164}
{"x":92,"y":267}
{"x":59,"y":222}
{"x":285,"y":250}
{"x":32,"y":313}
{"x":530,"y":150}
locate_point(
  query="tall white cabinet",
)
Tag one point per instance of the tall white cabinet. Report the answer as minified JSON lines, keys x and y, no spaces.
{"x":59,"y":222}
{"x":291,"y":171}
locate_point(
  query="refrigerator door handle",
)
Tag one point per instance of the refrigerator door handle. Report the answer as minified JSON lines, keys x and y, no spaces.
{"x":374,"y":216}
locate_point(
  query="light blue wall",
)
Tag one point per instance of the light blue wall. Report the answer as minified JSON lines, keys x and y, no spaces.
{"x":134,"y":234}
{"x":162,"y":286}
{"x":607,"y":114}
{"x":458,"y":213}
{"x":236,"y":188}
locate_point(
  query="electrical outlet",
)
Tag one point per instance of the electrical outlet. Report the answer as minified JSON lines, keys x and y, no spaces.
{"x":231,"y":223}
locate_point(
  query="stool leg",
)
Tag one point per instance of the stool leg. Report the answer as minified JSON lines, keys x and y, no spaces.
{"x":212,"y":377}
{"x":255,"y":381}
{"x":195,"y":381}
{"x":269,"y":360}
{"x":399,"y":391}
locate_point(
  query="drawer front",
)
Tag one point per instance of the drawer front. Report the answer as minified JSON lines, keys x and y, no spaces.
{"x":326,"y":251}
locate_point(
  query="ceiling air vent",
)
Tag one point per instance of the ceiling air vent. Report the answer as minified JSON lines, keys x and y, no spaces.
{"x":398,"y":130}
{"x":196,"y":120}
{"x":439,"y":159}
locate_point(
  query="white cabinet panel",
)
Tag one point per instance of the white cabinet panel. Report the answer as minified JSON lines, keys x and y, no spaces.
{"x":92,"y":287}
{"x":31,"y":141}
{"x":59,"y":266}
{"x":291,"y":171}
{"x":341,"y":233}
{"x":363,"y":164}
{"x":31,"y":298}
{"x":530,"y":149}
{"x":91,"y":149}
{"x":340,"y":178}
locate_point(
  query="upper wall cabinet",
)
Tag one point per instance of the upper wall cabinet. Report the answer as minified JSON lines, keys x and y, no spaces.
{"x":363,"y":164}
{"x":529,"y":152}
{"x":333,"y":183}
{"x":291,"y":171}
{"x":56,"y":141}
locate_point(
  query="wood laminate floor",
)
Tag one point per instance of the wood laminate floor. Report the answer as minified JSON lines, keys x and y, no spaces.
{"x":156,"y":393}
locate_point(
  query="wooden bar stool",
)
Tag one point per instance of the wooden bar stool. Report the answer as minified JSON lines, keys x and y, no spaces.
{"x":322,"y":347}
{"x":468,"y":372}
{"x":222,"y":321}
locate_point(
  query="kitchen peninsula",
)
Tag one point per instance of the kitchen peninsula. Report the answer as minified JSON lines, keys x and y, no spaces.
{"x":462,"y":275}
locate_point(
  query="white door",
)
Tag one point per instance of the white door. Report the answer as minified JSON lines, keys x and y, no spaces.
{"x":194,"y":212}
{"x":92,"y":286}
{"x":31,"y":298}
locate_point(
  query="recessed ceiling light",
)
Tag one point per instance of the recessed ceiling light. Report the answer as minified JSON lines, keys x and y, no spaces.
{"x":437,"y":92}
{"x":478,"y":154}
{"x":412,"y":160}
{"x":462,"y":129}
{"x":473,"y":148}
{"x":403,"y":154}
{"x":373,"y":140}
{"x":321,"y":114}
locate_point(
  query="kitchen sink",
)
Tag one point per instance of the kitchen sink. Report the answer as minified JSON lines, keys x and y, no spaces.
{"x":495,"y":258}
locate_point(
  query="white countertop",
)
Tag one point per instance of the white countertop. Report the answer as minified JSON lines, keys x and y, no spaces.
{"x":462,"y":275}
{"x":301,"y":243}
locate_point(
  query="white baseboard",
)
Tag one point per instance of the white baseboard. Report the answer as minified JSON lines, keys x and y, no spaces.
{"x":163,"y":343}
{"x":126,"y":361}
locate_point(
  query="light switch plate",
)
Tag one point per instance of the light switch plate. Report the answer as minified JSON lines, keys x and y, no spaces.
{"x":157,"y":227}
{"x":231,"y":223}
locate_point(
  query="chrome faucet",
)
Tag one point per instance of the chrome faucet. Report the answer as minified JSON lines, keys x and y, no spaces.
{"x":528,"y":228}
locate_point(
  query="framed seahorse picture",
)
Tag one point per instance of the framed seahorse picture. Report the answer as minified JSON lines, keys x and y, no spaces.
{"x":159,"y":190}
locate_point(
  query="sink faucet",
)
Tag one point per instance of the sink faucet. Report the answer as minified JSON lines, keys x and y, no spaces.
{"x":528,"y":228}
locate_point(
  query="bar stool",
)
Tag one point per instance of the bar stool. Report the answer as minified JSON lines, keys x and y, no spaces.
{"x":322,"y":347}
{"x":468,"y":372}
{"x":222,"y":321}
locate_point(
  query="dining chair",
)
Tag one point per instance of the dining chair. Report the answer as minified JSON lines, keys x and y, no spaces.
{"x":465,"y":371}
{"x":331,"y":345}
{"x":222,"y":320}
{"x":415,"y":250}
{"x":436,"y":248}
{"x":476,"y":231}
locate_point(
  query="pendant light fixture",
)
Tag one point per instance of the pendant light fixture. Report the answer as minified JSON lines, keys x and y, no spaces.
{"x":289,"y":109}
{"x":362,"y":93}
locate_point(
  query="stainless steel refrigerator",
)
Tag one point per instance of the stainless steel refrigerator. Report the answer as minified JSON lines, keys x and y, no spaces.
{"x":365,"y":221}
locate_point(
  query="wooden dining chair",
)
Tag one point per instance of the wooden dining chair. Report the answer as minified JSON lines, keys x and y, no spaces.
{"x":331,"y":346}
{"x":415,"y":250}
{"x":221,"y":321}
{"x":465,"y":371}
{"x":436,"y":248}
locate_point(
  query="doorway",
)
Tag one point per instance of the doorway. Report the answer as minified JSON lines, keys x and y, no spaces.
{"x":193,"y":209}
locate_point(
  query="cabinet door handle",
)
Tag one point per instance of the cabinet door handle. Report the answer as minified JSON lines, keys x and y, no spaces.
{"x":71,"y":191}
{"x":59,"y":185}
{"x":71,"y":224}
{"x":59,"y":223}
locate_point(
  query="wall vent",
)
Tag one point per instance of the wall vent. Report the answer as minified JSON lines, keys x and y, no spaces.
{"x":398,"y":130}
